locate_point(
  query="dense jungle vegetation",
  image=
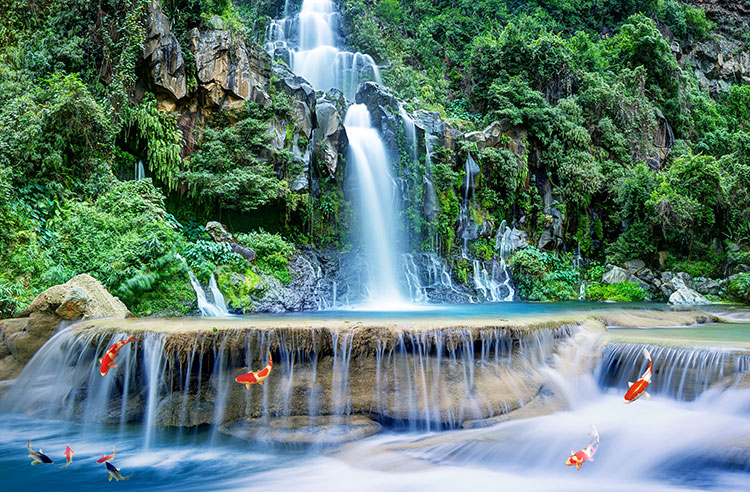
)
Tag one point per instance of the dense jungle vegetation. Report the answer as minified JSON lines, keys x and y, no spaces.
{"x":585,"y":80}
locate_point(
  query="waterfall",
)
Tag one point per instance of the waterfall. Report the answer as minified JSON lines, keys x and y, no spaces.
{"x":679,"y":373}
{"x":207,"y":308}
{"x":503,"y":247}
{"x":467,"y":228}
{"x":427,"y":379}
{"x":377,"y":219}
{"x":410,"y":132}
{"x":310,"y":43}
{"x":139,"y":172}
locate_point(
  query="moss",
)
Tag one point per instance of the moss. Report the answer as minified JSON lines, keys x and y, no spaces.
{"x":238,"y":289}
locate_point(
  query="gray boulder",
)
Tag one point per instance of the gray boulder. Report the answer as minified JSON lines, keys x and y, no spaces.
{"x":685,"y":296}
{"x":634,"y":266}
{"x":707,"y":286}
{"x":220,"y":234}
{"x":329,"y":137}
{"x":615,"y":275}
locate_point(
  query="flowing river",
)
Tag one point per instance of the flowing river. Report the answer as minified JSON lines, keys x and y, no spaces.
{"x":693,"y":434}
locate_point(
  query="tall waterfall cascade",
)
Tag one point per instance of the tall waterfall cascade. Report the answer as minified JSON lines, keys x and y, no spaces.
{"x":376,"y":205}
{"x":310,"y":43}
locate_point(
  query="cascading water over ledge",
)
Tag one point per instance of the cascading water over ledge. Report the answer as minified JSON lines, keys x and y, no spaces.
{"x":309,"y":42}
{"x":680,"y":373}
{"x":416,"y":378}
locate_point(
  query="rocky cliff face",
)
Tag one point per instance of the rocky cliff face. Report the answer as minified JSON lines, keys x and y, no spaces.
{"x":228,"y":71}
{"x":725,"y":59}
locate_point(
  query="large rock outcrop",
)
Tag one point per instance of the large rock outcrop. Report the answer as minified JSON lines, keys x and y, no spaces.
{"x":228,"y":72}
{"x":384,"y":115}
{"x":724,"y":59}
{"x":330,"y":140}
{"x":163,"y":55}
{"x":81,"y":297}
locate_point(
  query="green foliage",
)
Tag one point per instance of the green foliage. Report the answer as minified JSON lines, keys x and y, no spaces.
{"x":621,"y":292}
{"x":231,"y":168}
{"x":739,"y":288}
{"x":204,"y":257}
{"x":157,"y":132}
{"x":123,"y":240}
{"x":272,"y":251}
{"x":56,"y":136}
{"x":684,"y":19}
{"x":543,"y":276}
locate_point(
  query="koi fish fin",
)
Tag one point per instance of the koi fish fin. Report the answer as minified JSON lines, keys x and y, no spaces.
{"x":630,"y":384}
{"x":591,"y":459}
{"x":647,"y":395}
{"x":35,"y":462}
{"x":578,"y":467}
{"x":128,"y":477}
{"x":109,"y":479}
{"x":113,"y":364}
{"x":41,"y":450}
{"x":260,"y":383}
{"x":100,"y":359}
{"x":647,"y":354}
{"x":572,"y":452}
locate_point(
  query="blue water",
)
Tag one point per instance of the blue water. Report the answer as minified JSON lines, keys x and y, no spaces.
{"x":468,"y":311}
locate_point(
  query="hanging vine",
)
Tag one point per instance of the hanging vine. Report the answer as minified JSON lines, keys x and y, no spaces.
{"x":161,"y":137}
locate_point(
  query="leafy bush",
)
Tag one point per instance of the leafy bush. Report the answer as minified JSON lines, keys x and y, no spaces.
{"x":739,"y":288}
{"x":124,"y":240}
{"x":272,"y":251}
{"x":542,"y":276}
{"x":620,"y":292}
{"x":204,"y":257}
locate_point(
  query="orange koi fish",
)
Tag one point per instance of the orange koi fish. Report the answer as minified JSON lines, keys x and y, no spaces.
{"x":108,"y":361}
{"x":68,"y":457}
{"x":637,"y":389}
{"x":586,"y":454}
{"x":256,"y":376}
{"x":37,"y":456}
{"x":107,"y":457}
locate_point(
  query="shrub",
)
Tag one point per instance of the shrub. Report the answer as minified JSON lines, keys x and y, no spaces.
{"x":542,"y":276}
{"x":272,"y":251}
{"x":739,"y":288}
{"x":621,"y":292}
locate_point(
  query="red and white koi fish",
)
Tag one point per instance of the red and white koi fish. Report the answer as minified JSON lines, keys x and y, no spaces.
{"x":586,"y":454}
{"x":68,"y":457}
{"x":108,"y":361}
{"x":107,"y":457}
{"x":638,"y":388}
{"x":37,"y":456}
{"x":114,"y":472}
{"x":256,"y":376}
